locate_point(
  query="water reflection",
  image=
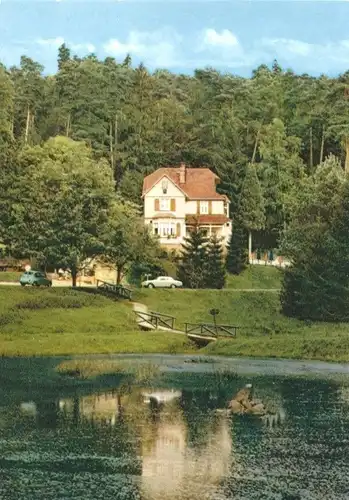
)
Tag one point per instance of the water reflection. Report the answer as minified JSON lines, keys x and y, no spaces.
{"x":177,"y":443}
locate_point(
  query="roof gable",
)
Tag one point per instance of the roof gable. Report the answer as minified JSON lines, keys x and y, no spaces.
{"x":158,"y":181}
{"x":200,"y":183}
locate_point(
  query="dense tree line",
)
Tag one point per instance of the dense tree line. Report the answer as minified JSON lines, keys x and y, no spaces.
{"x":278,"y":141}
{"x":283,"y":123}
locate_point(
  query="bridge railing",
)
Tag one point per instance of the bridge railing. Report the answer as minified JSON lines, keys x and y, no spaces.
{"x":155,"y":319}
{"x":118,"y":290}
{"x":207,"y":329}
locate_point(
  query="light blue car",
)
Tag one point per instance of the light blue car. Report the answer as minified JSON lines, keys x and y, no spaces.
{"x":35,"y":278}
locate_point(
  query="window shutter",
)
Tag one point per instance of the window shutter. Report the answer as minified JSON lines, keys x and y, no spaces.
{"x":157,"y":205}
{"x":173,"y":205}
{"x":178,"y":231}
{"x":198,"y":207}
{"x":210,"y":207}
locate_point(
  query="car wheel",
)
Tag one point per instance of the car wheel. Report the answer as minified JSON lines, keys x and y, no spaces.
{"x":173,"y":286}
{"x":151,"y":285}
{"x":22,"y":284}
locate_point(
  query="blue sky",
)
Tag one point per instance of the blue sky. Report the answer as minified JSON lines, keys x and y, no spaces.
{"x":181,"y":35}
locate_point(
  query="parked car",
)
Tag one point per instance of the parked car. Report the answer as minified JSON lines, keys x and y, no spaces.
{"x":35,"y":278}
{"x":162,"y":282}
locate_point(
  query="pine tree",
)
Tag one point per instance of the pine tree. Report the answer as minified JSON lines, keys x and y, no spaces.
{"x":63,"y":55}
{"x":316,"y":286}
{"x":251,"y":206}
{"x":236,"y":259}
{"x":214,"y":264}
{"x":191,"y":268}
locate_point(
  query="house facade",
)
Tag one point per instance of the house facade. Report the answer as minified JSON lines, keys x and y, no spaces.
{"x":177,"y":198}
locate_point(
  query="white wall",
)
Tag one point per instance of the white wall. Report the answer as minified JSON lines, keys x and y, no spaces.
{"x":218,"y":207}
{"x":156,"y":193}
{"x":191,"y":207}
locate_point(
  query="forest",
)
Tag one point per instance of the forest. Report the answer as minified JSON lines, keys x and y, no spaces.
{"x":268,"y":137}
{"x":140,"y":121}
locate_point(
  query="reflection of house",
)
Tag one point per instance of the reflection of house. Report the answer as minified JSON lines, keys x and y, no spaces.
{"x":171,"y":469}
{"x":177,"y":198}
{"x":161,"y":396}
{"x":104,"y":407}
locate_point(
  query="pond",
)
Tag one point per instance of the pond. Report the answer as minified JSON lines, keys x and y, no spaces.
{"x":173,"y":439}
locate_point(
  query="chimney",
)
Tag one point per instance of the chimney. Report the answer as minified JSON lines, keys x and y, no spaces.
{"x":182,"y":169}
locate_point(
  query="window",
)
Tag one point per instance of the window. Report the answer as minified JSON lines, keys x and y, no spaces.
{"x":165,"y":229}
{"x":203,"y":207}
{"x":164,"y":204}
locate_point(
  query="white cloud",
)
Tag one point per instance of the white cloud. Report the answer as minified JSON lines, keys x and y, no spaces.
{"x":51,"y":42}
{"x":157,"y":49}
{"x":315,"y":54}
{"x":55,"y":43}
{"x":224,"y":49}
{"x":82,"y":47}
{"x":288,"y":46}
{"x":225,"y":38}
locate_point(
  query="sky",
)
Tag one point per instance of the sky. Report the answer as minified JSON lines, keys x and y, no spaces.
{"x":234,"y":36}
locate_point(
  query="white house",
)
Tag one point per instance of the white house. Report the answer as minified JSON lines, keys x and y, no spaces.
{"x":176,"y":198}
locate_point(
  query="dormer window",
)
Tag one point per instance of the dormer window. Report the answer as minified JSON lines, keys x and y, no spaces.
{"x":164,"y":186}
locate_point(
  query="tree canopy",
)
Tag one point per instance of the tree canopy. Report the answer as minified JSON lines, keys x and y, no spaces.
{"x":284,"y":124}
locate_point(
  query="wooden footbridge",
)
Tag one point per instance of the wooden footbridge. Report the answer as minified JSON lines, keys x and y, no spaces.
{"x":201,"y":333}
{"x":118,"y":291}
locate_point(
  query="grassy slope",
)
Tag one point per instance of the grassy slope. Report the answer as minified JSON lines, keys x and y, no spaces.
{"x":61,"y":321}
{"x":263,"y":332}
{"x":256,"y":277}
{"x":10,"y":277}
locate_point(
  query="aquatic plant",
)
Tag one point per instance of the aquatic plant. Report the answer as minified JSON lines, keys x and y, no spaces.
{"x":84,"y":369}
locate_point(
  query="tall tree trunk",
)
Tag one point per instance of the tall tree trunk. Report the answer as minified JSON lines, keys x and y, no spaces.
{"x":67,"y":130}
{"x":249,"y":245}
{"x":27,"y":125}
{"x":119,"y":270}
{"x":111,"y":145}
{"x":311,"y":162}
{"x":255,"y":147}
{"x":346,"y":167}
{"x":74,"y":275}
{"x":116,"y":163}
{"x":322,"y":145}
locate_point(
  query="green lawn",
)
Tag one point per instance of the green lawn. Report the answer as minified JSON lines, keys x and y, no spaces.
{"x":10,"y":277}
{"x":263,"y":332}
{"x":256,"y":277}
{"x":60,"y":321}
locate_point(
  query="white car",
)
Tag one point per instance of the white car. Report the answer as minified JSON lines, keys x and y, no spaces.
{"x":162,"y":282}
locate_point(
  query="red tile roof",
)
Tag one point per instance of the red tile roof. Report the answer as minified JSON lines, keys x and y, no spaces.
{"x":200,"y":183}
{"x":207,"y":219}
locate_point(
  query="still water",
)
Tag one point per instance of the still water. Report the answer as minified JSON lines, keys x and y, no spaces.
{"x":174,"y":440}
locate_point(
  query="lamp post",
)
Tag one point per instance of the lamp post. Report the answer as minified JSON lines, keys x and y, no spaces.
{"x":214,"y":313}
